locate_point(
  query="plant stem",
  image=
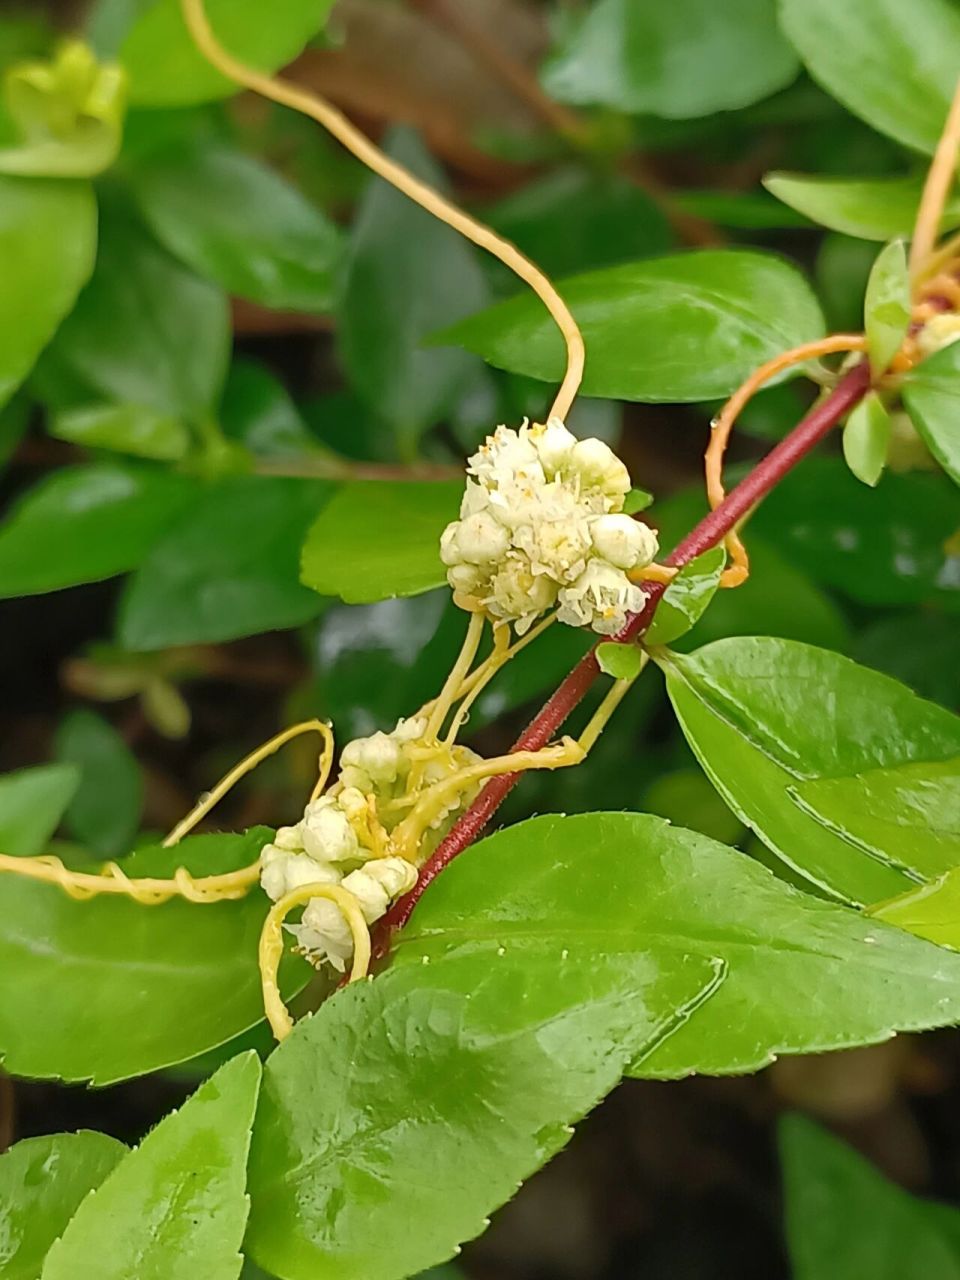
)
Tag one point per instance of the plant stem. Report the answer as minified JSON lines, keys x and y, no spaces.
{"x":711,"y":530}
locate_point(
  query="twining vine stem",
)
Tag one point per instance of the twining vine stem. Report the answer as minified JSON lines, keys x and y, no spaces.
{"x":711,"y":530}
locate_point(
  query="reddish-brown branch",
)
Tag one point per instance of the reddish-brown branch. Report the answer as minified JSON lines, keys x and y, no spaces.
{"x":708,"y":533}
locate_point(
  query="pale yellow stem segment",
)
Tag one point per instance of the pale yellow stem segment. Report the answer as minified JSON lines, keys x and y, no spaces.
{"x":147,"y":891}
{"x":317,"y":108}
{"x":940,"y":178}
{"x":458,"y":673}
{"x":250,"y":762}
{"x":612,"y":699}
{"x":271,"y":946}
{"x":739,"y":569}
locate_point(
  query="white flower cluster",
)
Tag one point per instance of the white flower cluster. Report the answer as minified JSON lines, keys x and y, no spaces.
{"x":340,"y":839}
{"x":542,"y":525}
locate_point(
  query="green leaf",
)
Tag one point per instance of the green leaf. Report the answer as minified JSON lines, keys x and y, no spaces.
{"x":233,"y":220}
{"x":885,"y":547}
{"x":636,"y":500}
{"x":146,"y":331}
{"x":69,"y":113}
{"x":428,"y":1095}
{"x":83,"y":524}
{"x":124,"y":428}
{"x":869,"y":208}
{"x":683,"y":328}
{"x":405,"y":275}
{"x":908,"y":814}
{"x":931,"y":911}
{"x":887,"y":305}
{"x":258,"y":411}
{"x":104,"y":814}
{"x":866,"y":439}
{"x":931,"y":393}
{"x":32,"y":802}
{"x":42,"y":1184}
{"x":622,"y":661}
{"x":576,"y":219}
{"x":380,"y":538}
{"x":228,"y":568}
{"x":166,"y":69}
{"x":680,"y":60}
{"x":765,"y":717}
{"x":176,"y":1207}
{"x":799,"y":975}
{"x":48,"y":238}
{"x":687,"y":597}
{"x":897,"y":75}
{"x":106,"y":989}
{"x":845,"y":1221}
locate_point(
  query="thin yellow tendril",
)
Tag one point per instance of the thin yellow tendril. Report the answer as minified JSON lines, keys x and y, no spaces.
{"x":250,"y":762}
{"x":407,"y":835}
{"x":458,"y":673}
{"x":271,"y":946}
{"x":739,"y":568}
{"x":940,"y":178}
{"x":147,"y":891}
{"x":612,"y":699}
{"x":941,"y":256}
{"x":312,"y":105}
{"x":484,"y":674}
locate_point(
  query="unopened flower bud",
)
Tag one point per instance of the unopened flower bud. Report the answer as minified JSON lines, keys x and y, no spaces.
{"x":553,"y":443}
{"x":599,"y":467}
{"x":327,"y":834}
{"x":377,"y":756}
{"x":623,"y":541}
{"x":481,"y":538}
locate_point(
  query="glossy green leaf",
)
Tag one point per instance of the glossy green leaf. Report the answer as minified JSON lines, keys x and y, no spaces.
{"x":738,"y":210}
{"x":931,"y":393}
{"x":622,"y":661}
{"x":147,"y":331}
{"x":228,"y":568}
{"x":48,"y":238}
{"x":380,"y":538}
{"x":104,"y":815}
{"x":405,"y":275}
{"x":845,"y":1221}
{"x":636,"y":500}
{"x":931,"y":911}
{"x":578,"y":219}
{"x":687,"y":597}
{"x":105,"y":989}
{"x":166,"y":69}
{"x":233,"y":220}
{"x":69,"y":112}
{"x":534,"y":889}
{"x":82,"y":524}
{"x":42,"y":1183}
{"x":908,"y":814}
{"x":688,"y":58}
{"x":124,"y":428}
{"x":869,"y":208}
{"x":889,"y":546}
{"x":768,"y":717}
{"x":866,"y":439}
{"x":369,"y":1116}
{"x":896,"y":71}
{"x":682,"y":328}
{"x":258,"y":411}
{"x":887,"y":305}
{"x":176,"y":1207}
{"x":32,"y":802}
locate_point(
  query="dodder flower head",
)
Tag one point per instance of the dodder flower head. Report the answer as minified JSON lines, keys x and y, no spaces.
{"x":540,"y":525}
{"x":343,"y":837}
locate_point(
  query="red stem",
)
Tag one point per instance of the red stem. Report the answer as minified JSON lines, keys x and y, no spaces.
{"x":710,"y":531}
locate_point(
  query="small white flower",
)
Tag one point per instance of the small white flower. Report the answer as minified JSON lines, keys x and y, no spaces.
{"x":324,"y":933}
{"x":517,"y":593}
{"x":625,"y":542}
{"x":376,"y":885}
{"x":553,"y":443}
{"x":377,"y":758}
{"x":288,"y":838}
{"x":281,"y":872}
{"x":599,"y":468}
{"x":327,"y":833}
{"x":601,"y":598}
{"x":481,"y":538}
